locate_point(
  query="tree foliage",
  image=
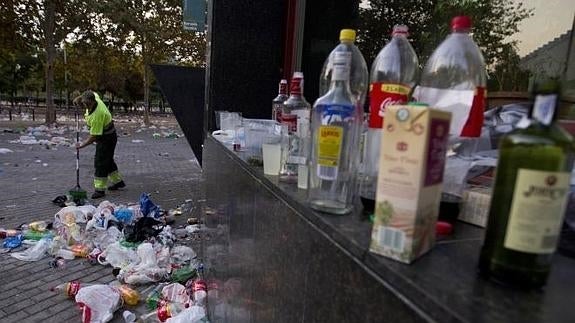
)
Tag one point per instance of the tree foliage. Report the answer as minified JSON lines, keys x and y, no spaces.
{"x":108,"y":44}
{"x":428,"y":20}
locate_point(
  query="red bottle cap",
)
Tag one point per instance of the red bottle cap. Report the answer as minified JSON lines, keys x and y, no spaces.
{"x":443,"y":228}
{"x":461,"y":22}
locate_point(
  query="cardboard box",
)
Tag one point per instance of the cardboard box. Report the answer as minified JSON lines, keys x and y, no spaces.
{"x":412,"y":162}
{"x":476,"y":198}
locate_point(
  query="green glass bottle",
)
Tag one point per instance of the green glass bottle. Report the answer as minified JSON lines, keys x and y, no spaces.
{"x":530,"y":195}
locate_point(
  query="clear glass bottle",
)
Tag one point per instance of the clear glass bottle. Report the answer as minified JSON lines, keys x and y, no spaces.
{"x":530,"y":196}
{"x":336,"y":124}
{"x":295,"y":116}
{"x":359,"y":77}
{"x":393,"y":75}
{"x":278,"y":101}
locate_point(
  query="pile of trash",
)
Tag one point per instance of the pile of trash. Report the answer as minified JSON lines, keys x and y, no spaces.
{"x":138,"y":242}
{"x":44,"y":135}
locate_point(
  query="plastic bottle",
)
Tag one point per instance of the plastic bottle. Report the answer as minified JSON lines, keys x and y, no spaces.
{"x":336,"y":124}
{"x":164,"y":312}
{"x":358,"y":72}
{"x":454,"y":79}
{"x":8,"y":233}
{"x":69,"y":289}
{"x":277,"y":103}
{"x":296,"y":117}
{"x":393,"y":75}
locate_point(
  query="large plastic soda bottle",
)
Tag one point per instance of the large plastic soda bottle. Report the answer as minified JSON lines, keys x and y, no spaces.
{"x":454,"y":80}
{"x":393,"y":75}
{"x":336,"y":121}
{"x":358,"y":78}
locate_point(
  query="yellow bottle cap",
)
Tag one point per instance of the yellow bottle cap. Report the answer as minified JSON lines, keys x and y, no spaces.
{"x":347,"y":34}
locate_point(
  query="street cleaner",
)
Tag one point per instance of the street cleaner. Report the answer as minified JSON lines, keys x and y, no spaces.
{"x":102,"y":132}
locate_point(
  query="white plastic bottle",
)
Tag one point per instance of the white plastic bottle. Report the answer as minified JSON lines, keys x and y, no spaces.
{"x":454,"y":80}
{"x":358,"y":79}
{"x":393,"y":75}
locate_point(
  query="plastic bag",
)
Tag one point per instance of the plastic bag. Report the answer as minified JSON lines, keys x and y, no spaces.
{"x":98,"y":303}
{"x":124,"y":215}
{"x":74,"y":214}
{"x":35,"y":253}
{"x":146,"y":270}
{"x":182,"y":255}
{"x":176,"y":293}
{"x":143,"y":229}
{"x":192,"y":314}
{"x":118,"y":256}
{"x":147,"y":207}
{"x":13,"y":242}
{"x":105,"y":238}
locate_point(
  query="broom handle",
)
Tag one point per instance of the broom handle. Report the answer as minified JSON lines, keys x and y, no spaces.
{"x":77,"y":150}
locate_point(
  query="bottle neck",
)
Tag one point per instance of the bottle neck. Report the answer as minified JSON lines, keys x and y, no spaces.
{"x":282,"y":89}
{"x":296,"y":87}
{"x":545,"y":108}
{"x":341,"y":71}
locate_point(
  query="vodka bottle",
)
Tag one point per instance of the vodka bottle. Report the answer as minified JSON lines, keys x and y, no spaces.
{"x":277,"y":103}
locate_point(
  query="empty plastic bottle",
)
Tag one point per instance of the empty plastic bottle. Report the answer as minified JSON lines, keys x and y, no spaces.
{"x":454,"y":79}
{"x":393,"y":75}
{"x":358,"y":78}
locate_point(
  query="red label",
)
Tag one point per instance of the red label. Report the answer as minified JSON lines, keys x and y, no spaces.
{"x":436,"y":151}
{"x":296,"y":85}
{"x":381,"y":96}
{"x":290,"y":120}
{"x":474,"y":122}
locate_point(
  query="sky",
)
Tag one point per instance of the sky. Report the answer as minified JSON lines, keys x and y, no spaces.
{"x":551,"y":19}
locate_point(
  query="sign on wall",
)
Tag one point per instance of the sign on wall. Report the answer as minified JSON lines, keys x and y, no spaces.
{"x":194,"y":15}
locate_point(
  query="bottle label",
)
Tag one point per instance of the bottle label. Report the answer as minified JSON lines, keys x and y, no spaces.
{"x":466,"y":107}
{"x":537,"y":209}
{"x":290,"y":120}
{"x":329,"y":144}
{"x":544,"y":108}
{"x":341,"y":66}
{"x":277,"y":111}
{"x":296,"y":86}
{"x":381,"y":96}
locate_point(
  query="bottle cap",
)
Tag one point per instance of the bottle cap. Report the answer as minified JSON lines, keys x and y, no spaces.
{"x":443,"y":228}
{"x":347,"y":34}
{"x":283,"y":81}
{"x":400,"y":30}
{"x":461,"y":22}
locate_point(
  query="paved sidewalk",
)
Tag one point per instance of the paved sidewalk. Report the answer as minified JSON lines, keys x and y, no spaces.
{"x":32,"y":175}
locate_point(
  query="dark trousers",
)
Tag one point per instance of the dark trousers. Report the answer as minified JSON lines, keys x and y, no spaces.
{"x":104,"y":160}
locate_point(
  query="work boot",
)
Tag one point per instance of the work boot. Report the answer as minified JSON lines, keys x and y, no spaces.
{"x":116,"y":186}
{"x":98,"y":194}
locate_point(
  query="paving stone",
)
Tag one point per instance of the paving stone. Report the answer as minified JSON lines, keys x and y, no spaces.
{"x":169,"y":179}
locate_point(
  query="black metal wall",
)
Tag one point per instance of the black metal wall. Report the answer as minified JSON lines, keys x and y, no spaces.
{"x":184,"y":88}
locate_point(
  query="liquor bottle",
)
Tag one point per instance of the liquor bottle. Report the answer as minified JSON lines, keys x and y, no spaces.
{"x":530,"y":195}
{"x":336,"y":121}
{"x":295,"y":117}
{"x":393,"y":75}
{"x":277,"y":103}
{"x":359,"y":77}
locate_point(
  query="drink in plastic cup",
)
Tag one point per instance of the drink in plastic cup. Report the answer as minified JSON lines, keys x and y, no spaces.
{"x":302,"y":176}
{"x":272,"y":153}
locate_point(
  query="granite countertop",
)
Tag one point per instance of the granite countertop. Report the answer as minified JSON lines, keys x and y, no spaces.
{"x":443,"y":285}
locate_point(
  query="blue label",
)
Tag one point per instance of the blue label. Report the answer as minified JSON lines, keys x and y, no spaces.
{"x":335,"y":112}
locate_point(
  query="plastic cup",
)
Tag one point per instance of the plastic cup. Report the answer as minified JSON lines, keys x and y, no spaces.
{"x":129,"y":317}
{"x":66,"y":254}
{"x":272,"y":154}
{"x":302,"y":176}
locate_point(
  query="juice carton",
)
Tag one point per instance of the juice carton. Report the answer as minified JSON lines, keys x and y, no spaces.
{"x":412,"y":159}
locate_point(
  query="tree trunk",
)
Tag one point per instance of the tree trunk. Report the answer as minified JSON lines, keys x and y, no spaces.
{"x":49,"y":26}
{"x":146,"y":82}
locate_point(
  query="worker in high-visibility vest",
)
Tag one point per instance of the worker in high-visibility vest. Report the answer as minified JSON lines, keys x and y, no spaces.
{"x":102,"y":132}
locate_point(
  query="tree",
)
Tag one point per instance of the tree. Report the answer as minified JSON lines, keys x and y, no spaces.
{"x":428,"y":21}
{"x":153,"y":29}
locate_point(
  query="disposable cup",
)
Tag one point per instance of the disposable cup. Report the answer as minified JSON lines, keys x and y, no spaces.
{"x":272,"y":158}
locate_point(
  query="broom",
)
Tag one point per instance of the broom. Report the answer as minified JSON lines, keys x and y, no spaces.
{"x":78,"y":194}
